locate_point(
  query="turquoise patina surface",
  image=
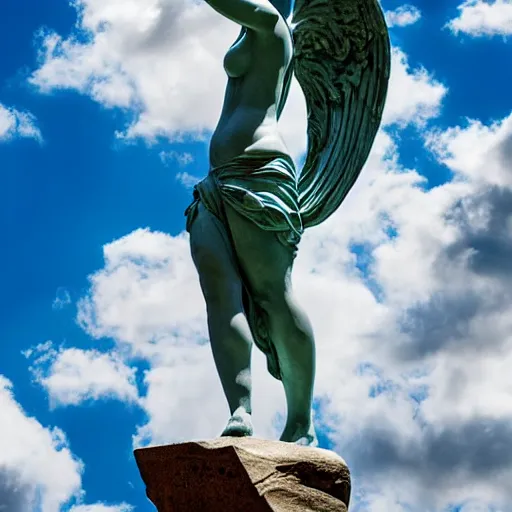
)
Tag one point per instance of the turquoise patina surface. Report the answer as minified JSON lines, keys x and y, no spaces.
{"x":262,"y":188}
{"x":249,"y":213}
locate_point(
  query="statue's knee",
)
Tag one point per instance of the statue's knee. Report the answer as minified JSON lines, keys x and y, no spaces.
{"x":271,"y":298}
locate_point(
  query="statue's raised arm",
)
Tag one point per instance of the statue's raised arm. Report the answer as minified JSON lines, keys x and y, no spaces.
{"x":257,"y":15}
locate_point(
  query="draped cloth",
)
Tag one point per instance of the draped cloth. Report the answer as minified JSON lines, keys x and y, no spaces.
{"x":262,"y":187}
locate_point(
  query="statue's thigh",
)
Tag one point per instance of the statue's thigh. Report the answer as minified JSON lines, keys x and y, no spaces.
{"x":265,"y":261}
{"x":213,"y":257}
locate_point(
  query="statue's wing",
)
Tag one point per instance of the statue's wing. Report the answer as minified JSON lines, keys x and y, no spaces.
{"x":342,"y":62}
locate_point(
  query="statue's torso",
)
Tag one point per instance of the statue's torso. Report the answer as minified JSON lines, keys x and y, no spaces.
{"x":256,"y":66}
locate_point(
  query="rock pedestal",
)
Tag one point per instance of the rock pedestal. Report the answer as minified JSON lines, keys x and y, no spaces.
{"x":233,"y":474}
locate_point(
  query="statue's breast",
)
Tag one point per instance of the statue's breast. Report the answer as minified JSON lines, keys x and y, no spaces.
{"x":238,"y":58}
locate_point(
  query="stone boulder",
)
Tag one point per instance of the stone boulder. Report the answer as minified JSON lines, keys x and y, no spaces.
{"x":233,"y":474}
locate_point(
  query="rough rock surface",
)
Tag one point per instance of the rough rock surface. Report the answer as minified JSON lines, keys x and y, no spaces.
{"x":233,"y":474}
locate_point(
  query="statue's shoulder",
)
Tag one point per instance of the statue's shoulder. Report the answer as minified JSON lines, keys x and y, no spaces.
{"x":280,"y":36}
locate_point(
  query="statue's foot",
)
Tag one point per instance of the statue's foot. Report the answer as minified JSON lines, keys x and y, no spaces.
{"x":239,"y":425}
{"x":308,"y":440}
{"x":303,"y":435}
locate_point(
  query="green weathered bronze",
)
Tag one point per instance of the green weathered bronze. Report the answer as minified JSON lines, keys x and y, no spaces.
{"x":249,"y":213}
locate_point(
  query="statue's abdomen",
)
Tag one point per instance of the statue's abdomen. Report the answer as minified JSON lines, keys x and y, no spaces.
{"x":244,"y":127}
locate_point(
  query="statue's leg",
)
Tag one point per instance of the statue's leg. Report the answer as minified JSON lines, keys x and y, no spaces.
{"x":230,"y":335}
{"x":267,"y":265}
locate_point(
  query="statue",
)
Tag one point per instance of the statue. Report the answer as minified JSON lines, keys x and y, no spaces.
{"x":249,"y":213}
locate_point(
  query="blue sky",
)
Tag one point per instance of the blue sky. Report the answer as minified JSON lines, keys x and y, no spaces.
{"x":105,"y":113}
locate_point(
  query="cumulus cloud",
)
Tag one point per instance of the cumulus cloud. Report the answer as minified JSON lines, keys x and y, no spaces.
{"x":403,"y":16}
{"x":151,"y":275}
{"x":414,"y":95}
{"x":152,"y":60}
{"x":476,"y":151}
{"x":151,"y":56}
{"x":72,"y":376}
{"x":144,"y":264}
{"x":481,"y":18}
{"x":38,"y":471}
{"x":15,"y":123}
{"x":30,"y":457}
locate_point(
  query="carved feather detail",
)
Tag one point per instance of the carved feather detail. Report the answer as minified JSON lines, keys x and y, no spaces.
{"x":342,"y":62}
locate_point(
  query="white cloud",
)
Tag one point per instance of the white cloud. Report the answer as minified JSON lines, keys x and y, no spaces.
{"x":151,"y":56}
{"x":414,"y":95}
{"x":72,"y":376}
{"x":30,"y":457}
{"x":101,"y":508}
{"x":403,"y":16}
{"x":159,"y":60}
{"x":15,"y":123}
{"x":187,"y":180}
{"x":476,"y":151}
{"x":38,"y":471}
{"x":156,"y":270}
{"x":481,"y":18}
{"x":182,"y":158}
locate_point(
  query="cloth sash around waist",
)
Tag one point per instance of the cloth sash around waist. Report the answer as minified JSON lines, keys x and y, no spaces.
{"x":261,"y":187}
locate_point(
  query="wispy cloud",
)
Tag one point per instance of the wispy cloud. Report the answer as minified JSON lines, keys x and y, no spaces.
{"x":181,"y":158}
{"x":99,"y":507}
{"x":15,"y":123}
{"x":187,"y":180}
{"x":62,"y":299}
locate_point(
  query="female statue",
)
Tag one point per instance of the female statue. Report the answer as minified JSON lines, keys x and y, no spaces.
{"x":250,"y":211}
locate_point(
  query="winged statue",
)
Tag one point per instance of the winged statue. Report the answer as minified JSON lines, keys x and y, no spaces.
{"x":249,"y":213}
